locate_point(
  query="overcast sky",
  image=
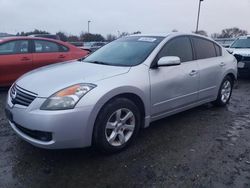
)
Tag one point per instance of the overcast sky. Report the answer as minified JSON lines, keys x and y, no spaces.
{"x":111,"y":16}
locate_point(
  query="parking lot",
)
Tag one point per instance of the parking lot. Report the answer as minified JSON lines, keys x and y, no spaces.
{"x":203,"y":147}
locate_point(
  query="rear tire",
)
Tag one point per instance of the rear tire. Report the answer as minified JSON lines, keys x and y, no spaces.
{"x":225,"y":92}
{"x":117,"y":125}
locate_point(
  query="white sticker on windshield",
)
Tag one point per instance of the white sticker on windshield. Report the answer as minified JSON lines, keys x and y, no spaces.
{"x":243,"y":37}
{"x":147,"y":39}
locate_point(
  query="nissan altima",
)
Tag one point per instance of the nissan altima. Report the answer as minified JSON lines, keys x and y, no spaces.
{"x":107,"y":98}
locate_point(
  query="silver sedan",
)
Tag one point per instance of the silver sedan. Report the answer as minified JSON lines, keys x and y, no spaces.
{"x":108,"y":97}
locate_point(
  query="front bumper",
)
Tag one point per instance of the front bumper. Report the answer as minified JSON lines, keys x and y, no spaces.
{"x":50,"y":129}
{"x":244,"y":67}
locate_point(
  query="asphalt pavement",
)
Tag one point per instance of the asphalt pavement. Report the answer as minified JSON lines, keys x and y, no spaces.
{"x":203,"y":147}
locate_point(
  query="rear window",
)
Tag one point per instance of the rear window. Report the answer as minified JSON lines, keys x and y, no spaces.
{"x":204,"y":48}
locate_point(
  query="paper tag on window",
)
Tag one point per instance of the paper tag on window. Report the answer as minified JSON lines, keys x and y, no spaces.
{"x":147,"y":39}
{"x":243,"y":37}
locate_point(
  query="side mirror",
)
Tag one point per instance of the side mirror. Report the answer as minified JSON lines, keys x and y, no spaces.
{"x":230,"y":50}
{"x":169,"y":61}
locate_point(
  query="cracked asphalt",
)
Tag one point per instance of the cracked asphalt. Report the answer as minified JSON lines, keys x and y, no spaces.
{"x":203,"y":147}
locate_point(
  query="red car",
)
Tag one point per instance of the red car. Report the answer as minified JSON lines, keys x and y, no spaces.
{"x":19,"y":55}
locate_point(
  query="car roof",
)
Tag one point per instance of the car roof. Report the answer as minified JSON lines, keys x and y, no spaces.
{"x":173,"y":34}
{"x":4,"y":39}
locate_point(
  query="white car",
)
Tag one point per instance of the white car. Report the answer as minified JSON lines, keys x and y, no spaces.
{"x":241,"y":46}
{"x":119,"y":89}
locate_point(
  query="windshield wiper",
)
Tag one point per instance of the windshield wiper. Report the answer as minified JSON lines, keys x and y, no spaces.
{"x":239,"y":47}
{"x":98,"y":62}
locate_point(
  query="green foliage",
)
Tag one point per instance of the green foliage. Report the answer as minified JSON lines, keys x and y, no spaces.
{"x":36,"y":31}
{"x":62,"y":36}
{"x":230,"y":33}
{"x":88,"y":37}
{"x":201,"y":32}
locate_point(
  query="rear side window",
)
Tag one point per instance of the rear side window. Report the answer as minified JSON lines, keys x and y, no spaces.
{"x":180,"y":47}
{"x":218,"y":50}
{"x":63,"y":48}
{"x":15,"y":47}
{"x":204,"y":48}
{"x":43,"y":46}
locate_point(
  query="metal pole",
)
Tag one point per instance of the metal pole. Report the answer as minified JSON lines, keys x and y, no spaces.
{"x":88,"y":25}
{"x":198,"y":18}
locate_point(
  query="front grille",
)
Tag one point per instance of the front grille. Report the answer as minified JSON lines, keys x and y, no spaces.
{"x":21,"y":96}
{"x":244,"y":58}
{"x":38,"y":135}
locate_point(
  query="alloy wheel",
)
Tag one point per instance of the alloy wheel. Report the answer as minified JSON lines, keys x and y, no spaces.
{"x":120,"y":127}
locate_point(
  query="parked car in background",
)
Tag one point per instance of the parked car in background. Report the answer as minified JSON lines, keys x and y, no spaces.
{"x":225,"y":42}
{"x":119,"y":89}
{"x":19,"y":55}
{"x":48,"y":36}
{"x":93,"y":46}
{"x":241,"y":47}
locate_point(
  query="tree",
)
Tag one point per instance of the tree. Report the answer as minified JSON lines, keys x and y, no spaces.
{"x":201,"y":32}
{"x":123,"y":34}
{"x":215,"y":35}
{"x":36,"y":31}
{"x":88,"y":37}
{"x":137,"y":32}
{"x":233,"y":32}
{"x":62,"y":36}
{"x":230,"y":33}
{"x":111,"y":37}
{"x":73,"y":38}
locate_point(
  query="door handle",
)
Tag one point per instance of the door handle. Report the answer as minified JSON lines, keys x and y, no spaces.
{"x":25,"y":59}
{"x":61,"y":56}
{"x":222,"y":64}
{"x":193,"y":73}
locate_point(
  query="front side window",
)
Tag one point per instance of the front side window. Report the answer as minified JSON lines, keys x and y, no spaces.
{"x":15,"y":47}
{"x":180,"y":47}
{"x":204,"y":48}
{"x":43,"y":46}
{"x":127,"y":51}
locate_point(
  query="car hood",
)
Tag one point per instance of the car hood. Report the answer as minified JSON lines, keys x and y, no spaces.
{"x":241,"y":51}
{"x":48,"y":80}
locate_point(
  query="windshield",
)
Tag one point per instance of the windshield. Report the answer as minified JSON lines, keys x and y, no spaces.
{"x":241,"y":43}
{"x":127,"y":51}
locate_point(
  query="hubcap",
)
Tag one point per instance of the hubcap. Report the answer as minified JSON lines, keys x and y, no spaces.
{"x":226,"y":91}
{"x":120,"y":127}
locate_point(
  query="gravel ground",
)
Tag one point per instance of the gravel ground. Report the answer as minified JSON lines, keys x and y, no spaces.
{"x":202,"y":147}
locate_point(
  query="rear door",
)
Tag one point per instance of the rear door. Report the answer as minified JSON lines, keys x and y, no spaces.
{"x":211,"y":65}
{"x":48,"y":52}
{"x":174,"y":87}
{"x":15,"y":60}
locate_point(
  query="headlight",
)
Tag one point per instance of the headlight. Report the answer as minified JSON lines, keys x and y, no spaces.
{"x":67,"y":98}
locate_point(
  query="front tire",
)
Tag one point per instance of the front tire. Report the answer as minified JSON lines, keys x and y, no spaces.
{"x":225,"y":92}
{"x":117,"y":125}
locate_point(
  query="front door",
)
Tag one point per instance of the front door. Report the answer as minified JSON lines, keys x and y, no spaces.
{"x":15,"y":60}
{"x":174,"y":87}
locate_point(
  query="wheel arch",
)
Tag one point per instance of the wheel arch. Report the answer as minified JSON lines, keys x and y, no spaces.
{"x":135,"y":95}
{"x":232,"y":76}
